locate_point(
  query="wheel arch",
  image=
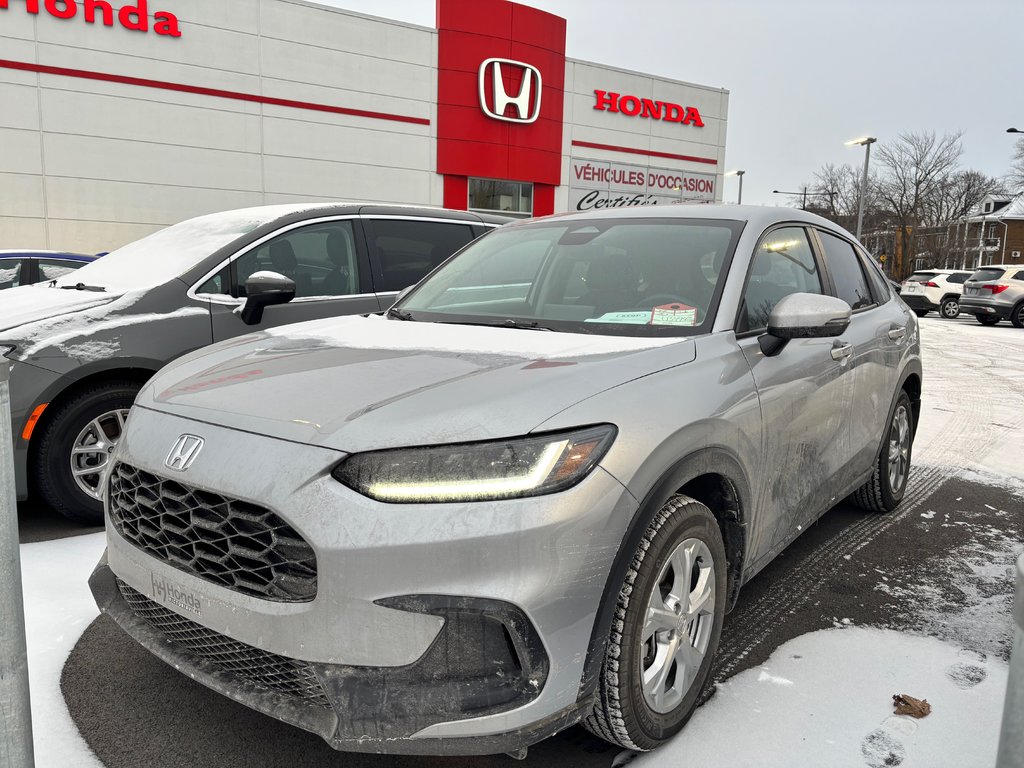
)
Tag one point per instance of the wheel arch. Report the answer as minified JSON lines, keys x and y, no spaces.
{"x":712,"y":476}
{"x":86,"y":377}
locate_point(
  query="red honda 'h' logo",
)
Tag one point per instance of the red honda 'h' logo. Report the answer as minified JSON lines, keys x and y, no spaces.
{"x":526,"y":103}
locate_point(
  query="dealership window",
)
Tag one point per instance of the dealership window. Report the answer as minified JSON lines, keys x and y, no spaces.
{"x":512,"y":198}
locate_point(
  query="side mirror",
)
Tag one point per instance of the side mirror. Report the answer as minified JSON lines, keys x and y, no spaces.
{"x":264,"y":289}
{"x":804,"y":316}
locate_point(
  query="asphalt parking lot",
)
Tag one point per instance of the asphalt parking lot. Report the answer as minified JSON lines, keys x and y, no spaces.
{"x":927,"y":568}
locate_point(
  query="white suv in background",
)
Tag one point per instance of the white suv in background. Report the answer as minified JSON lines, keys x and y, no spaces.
{"x":928,"y":290}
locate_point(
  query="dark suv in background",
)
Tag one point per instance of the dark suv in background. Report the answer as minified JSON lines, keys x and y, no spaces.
{"x":84,"y":344}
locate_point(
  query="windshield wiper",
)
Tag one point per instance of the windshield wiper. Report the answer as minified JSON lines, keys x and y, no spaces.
{"x":528,"y":325}
{"x":83,"y":287}
{"x":400,"y":314}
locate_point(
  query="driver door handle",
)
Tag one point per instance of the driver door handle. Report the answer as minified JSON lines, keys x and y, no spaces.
{"x":841,"y":351}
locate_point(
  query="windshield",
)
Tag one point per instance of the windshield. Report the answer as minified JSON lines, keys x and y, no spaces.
{"x":170,"y":252}
{"x":625,"y":277}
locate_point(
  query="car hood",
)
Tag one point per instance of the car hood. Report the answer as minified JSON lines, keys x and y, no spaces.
{"x":356,"y":384}
{"x":32,"y":303}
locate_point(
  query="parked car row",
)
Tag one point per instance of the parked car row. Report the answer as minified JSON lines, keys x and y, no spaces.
{"x":991,"y":293}
{"x":28,"y":267}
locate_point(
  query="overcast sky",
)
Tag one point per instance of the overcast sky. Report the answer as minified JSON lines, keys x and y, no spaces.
{"x":806,"y":75}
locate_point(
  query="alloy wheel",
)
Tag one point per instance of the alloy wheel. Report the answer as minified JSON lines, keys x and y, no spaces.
{"x":678,"y":625}
{"x":899,"y":448}
{"x":90,"y":453}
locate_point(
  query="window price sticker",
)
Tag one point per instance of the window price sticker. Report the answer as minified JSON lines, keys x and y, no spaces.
{"x":674,"y":314}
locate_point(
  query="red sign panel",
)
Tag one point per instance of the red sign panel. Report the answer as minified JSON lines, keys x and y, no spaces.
{"x":489,"y":133}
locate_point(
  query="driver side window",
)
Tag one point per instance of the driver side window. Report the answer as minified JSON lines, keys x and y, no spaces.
{"x":320,"y":259}
{"x":783,"y":264}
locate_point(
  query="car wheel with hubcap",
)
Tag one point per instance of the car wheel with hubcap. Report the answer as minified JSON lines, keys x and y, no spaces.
{"x":888,"y":481}
{"x":665,"y":631}
{"x":950,"y":308}
{"x":72,"y":452}
{"x":1017,"y":316}
{"x":987,"y":319}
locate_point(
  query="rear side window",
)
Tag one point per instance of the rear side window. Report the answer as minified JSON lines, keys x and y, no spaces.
{"x":51,"y":269}
{"x":783,"y":264}
{"x":987,"y":275}
{"x":405,"y":250}
{"x":958,"y":277}
{"x":10,"y":273}
{"x":851,"y":285}
{"x":1019,"y":276}
{"x":879,"y":282}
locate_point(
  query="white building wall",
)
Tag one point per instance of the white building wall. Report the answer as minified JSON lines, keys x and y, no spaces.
{"x":88,"y":165}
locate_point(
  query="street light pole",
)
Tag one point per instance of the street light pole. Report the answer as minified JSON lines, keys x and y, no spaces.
{"x":739,"y":198}
{"x":866,"y":141}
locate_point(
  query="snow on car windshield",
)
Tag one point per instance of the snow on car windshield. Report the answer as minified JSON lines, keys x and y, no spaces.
{"x":170,"y":252}
{"x":621,"y":277}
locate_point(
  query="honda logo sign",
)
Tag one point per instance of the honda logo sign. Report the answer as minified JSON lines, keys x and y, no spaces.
{"x":184,"y":452}
{"x":526,"y":103}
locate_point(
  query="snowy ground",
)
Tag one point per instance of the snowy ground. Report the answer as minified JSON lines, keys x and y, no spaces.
{"x":820,"y":699}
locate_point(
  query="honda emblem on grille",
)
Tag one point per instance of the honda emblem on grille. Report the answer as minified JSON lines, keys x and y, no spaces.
{"x":184,"y":452}
{"x":526,"y":103}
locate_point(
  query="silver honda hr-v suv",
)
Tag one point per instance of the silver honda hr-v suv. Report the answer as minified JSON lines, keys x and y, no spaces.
{"x":526,"y":496}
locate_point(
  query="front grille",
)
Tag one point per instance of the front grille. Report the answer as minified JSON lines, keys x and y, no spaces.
{"x":261,"y":668}
{"x":241,"y":546}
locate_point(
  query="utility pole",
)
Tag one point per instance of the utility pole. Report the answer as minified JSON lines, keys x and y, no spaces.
{"x":15,"y":711}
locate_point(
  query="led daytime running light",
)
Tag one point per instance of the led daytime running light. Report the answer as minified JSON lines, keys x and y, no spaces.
{"x":458,"y":490}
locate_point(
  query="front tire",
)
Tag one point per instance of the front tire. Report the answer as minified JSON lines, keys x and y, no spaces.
{"x":888,"y":482}
{"x":950,"y":308}
{"x":73,"y":449}
{"x":987,"y":319}
{"x":665,"y":631}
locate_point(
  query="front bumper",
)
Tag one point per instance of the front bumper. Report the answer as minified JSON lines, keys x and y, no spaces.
{"x":30,"y":386}
{"x":919,"y":301}
{"x":435,"y":629}
{"x":975,"y":305}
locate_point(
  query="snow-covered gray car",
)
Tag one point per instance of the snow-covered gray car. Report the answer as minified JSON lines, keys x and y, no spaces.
{"x":82,"y":345}
{"x":527,"y":495}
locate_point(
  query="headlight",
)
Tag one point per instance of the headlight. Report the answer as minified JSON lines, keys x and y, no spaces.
{"x":503,"y":469}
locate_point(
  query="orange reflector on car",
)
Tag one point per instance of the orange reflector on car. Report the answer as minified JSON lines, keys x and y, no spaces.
{"x":26,"y":433}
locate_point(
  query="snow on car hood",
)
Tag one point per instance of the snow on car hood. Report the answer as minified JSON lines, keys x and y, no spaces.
{"x":31,"y":303}
{"x":356,"y":383}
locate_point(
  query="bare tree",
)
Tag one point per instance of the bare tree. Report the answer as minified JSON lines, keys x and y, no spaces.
{"x":955,"y":197}
{"x":914,"y":169}
{"x":1016,"y":176}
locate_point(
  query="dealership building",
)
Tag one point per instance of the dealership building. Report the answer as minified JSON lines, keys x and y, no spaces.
{"x":119,"y":117}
